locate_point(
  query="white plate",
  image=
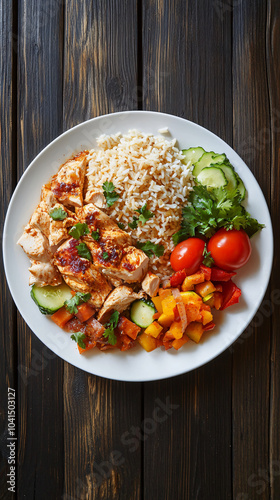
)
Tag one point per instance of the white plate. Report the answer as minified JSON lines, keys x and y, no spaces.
{"x":136,"y":364}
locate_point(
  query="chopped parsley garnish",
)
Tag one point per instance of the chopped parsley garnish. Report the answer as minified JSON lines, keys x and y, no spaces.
{"x":71,"y":304}
{"x":105,"y":256}
{"x":84,"y":252}
{"x":58,"y":214}
{"x":207,"y":258}
{"x":95,"y":235}
{"x":133,"y":224}
{"x":110,"y":193}
{"x":208,"y":211}
{"x":79,"y":337}
{"x":145,"y":214}
{"x":151,"y":248}
{"x":110,"y":327}
{"x":121,"y":225}
{"x":80,"y":229}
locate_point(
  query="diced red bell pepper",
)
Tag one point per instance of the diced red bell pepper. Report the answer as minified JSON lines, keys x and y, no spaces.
{"x":209,"y":326}
{"x":231,"y":294}
{"x":218,"y":274}
{"x":178,"y":278}
{"x":207,"y":271}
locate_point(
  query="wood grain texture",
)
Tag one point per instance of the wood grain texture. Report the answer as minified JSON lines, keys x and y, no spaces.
{"x":179,"y":57}
{"x":7,"y":309}
{"x":251,"y":359}
{"x":273,"y":57}
{"x":39,"y":48}
{"x":100,"y":76}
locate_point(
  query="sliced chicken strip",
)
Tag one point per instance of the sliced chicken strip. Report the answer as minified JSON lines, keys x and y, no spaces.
{"x":44,"y":273}
{"x":150,"y":284}
{"x":108,"y":229}
{"x":118,"y":300}
{"x":80,"y":274}
{"x":67,"y":184}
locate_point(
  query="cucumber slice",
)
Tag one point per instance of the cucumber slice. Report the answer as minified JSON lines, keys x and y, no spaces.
{"x":230,"y":176}
{"x":50,"y":298}
{"x":141,"y":312}
{"x":212,"y":177}
{"x":206,"y":160}
{"x":240,"y":187}
{"x":193,"y":154}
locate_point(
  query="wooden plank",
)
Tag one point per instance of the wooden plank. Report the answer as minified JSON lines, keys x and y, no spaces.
{"x":192,"y":447}
{"x":273,"y":55}
{"x":8,"y":376}
{"x":39,"y":46}
{"x":251,"y":366}
{"x":100,"y":76}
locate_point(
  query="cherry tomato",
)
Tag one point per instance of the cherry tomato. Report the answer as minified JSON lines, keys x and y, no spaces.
{"x":188,"y":255}
{"x":230,"y":249}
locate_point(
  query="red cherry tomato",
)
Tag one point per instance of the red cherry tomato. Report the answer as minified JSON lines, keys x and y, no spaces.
{"x":230,"y":249}
{"x":188,"y":255}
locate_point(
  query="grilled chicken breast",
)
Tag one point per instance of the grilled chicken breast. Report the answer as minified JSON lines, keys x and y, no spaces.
{"x":67,"y":185}
{"x":150,"y":284}
{"x":118,"y":300}
{"x":80,"y":274}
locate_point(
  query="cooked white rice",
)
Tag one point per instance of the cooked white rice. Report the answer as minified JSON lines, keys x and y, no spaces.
{"x":143,"y":169}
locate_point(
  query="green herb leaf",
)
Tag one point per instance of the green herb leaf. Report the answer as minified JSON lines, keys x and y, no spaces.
{"x":105,"y":256}
{"x":58,"y":214}
{"x":79,"y":337}
{"x":208,"y":259}
{"x":121,"y":225}
{"x":110,"y":193}
{"x":80,"y":229}
{"x":71,"y":304}
{"x":95,"y":235}
{"x":145,"y":214}
{"x":151,"y":248}
{"x":110,"y":327}
{"x":84,"y":252}
{"x":133,"y":224}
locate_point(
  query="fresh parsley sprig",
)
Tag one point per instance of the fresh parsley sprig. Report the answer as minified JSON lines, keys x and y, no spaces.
{"x":79,"y":337}
{"x":134,"y":223}
{"x":95,"y":234}
{"x":208,"y":211}
{"x":110,"y":193}
{"x":71,"y":304}
{"x":150,"y":248}
{"x":80,"y":229}
{"x":58,"y":214}
{"x":110,"y":328}
{"x":145,"y":215}
{"x":83,"y":251}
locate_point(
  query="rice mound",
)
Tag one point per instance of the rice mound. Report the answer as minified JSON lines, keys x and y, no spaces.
{"x":144,"y":169}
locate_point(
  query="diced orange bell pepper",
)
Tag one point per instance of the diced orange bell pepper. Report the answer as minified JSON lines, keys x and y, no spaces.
{"x":168,"y":305}
{"x":178,"y":343}
{"x":154,"y":329}
{"x":191,"y":297}
{"x":61,"y":317}
{"x":166,"y":320}
{"x":157,"y":303}
{"x":205,"y":288}
{"x":176,"y":329}
{"x":164,"y":293}
{"x":147,"y":342}
{"x":194,"y":331}
{"x":193,"y":312}
{"x":207,"y":317}
{"x":191,"y":280}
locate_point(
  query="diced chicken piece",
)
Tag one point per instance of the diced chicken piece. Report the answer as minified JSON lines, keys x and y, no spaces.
{"x":44,"y":273}
{"x":47,"y":196}
{"x":95,"y":196}
{"x":150,"y":284}
{"x":35,"y":244}
{"x":55,"y":230}
{"x":108,"y":229}
{"x":112,"y":279}
{"x":80,"y":274}
{"x":67,"y":185}
{"x":118,"y":300}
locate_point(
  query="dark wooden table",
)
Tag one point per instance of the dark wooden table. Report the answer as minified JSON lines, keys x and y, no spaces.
{"x":213,"y":62}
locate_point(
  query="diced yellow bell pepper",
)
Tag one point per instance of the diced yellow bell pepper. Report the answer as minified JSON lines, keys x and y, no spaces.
{"x":203,"y":289}
{"x":147,"y":342}
{"x":206,"y":317}
{"x":168,"y":305}
{"x":157,"y":304}
{"x":153,"y":329}
{"x":194,"y":331}
{"x":176,"y":329}
{"x":178,"y":343}
{"x":166,"y":319}
{"x":191,"y":297}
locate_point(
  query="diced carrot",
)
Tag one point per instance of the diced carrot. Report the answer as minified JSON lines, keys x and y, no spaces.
{"x":178,"y":343}
{"x":167,"y":345}
{"x":61,"y":317}
{"x":89,"y":345}
{"x":85,"y":311}
{"x":126,"y":327}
